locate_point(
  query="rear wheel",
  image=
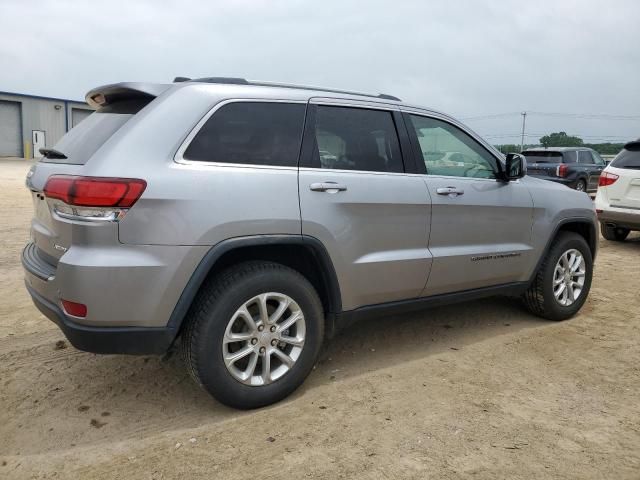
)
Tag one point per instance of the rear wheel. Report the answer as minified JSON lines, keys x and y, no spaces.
{"x":254,"y":334}
{"x":613,"y":233}
{"x":581,"y":186}
{"x":563,"y":281}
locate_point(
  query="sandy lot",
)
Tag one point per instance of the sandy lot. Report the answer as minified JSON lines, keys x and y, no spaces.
{"x":479,"y":390}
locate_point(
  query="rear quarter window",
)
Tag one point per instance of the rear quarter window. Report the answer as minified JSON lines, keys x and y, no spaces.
{"x":250,"y":133}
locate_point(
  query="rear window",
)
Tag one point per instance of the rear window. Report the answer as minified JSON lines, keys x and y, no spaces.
{"x":543,"y":157}
{"x":254,"y":133}
{"x":628,"y":158}
{"x":83,"y":140}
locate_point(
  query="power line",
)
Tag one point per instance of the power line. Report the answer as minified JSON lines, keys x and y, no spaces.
{"x":524,"y":118}
{"x":582,"y":116}
{"x":489,"y":117}
{"x":543,"y":134}
{"x":589,"y":116}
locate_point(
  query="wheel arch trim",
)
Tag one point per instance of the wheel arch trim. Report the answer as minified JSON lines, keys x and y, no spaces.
{"x":215,"y":253}
{"x":592,"y":241}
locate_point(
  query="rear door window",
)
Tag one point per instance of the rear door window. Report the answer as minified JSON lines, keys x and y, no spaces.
{"x":584,"y":157}
{"x":348,"y":138}
{"x":251,"y":133}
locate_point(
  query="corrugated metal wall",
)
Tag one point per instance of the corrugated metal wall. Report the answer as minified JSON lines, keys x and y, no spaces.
{"x":53,"y":116}
{"x":10,"y":130}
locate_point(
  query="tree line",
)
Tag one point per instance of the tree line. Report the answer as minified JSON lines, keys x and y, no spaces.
{"x":561,"y":139}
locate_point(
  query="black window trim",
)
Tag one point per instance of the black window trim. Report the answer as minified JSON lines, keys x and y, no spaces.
{"x":178,"y":157}
{"x":307,"y":157}
{"x":421,"y":168}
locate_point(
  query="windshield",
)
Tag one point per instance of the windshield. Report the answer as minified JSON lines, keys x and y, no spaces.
{"x":543,"y":157}
{"x":83,"y":140}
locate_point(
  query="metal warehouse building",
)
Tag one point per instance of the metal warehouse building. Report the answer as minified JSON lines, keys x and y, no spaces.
{"x":30,"y":122}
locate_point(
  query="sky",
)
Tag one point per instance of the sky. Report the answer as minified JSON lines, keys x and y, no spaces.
{"x":578,"y":60}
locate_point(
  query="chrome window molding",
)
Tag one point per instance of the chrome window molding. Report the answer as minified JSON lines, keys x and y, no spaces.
{"x":446,"y":118}
{"x":179,"y":155}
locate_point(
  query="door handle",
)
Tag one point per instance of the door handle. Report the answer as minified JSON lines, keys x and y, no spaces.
{"x":331,"y":187}
{"x":454,"y":191}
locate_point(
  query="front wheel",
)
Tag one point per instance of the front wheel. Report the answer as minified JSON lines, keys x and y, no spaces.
{"x":254,"y":334}
{"x":563,"y":281}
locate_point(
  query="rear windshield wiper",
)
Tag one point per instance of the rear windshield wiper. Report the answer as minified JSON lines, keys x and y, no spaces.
{"x":52,"y":153}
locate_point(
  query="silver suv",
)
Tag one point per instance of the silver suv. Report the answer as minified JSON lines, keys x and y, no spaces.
{"x":246,"y":222}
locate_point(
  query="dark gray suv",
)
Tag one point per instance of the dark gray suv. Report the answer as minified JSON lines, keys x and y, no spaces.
{"x":246,"y":222}
{"x":575,"y":167}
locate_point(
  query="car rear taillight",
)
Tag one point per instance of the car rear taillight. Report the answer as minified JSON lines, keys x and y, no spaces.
{"x":607,"y":178}
{"x":561,"y":170}
{"x":94,"y":191}
{"x":75,"y":309}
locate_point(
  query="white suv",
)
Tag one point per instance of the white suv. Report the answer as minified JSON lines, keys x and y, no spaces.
{"x":618,"y":197}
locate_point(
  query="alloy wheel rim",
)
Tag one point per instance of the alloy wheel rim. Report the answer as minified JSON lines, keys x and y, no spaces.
{"x":568,"y":277}
{"x":263,"y":339}
{"x":580,"y":187}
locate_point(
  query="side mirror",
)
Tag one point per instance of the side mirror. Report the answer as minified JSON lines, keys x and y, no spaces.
{"x":516,"y":166}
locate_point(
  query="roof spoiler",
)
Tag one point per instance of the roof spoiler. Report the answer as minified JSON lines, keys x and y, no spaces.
{"x":105,"y":95}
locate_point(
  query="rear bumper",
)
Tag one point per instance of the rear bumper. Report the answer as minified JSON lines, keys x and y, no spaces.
{"x":623,"y":217}
{"x":126,"y":298}
{"x":125,"y":340}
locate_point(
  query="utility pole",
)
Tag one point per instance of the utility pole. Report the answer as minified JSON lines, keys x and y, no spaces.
{"x":524,"y":118}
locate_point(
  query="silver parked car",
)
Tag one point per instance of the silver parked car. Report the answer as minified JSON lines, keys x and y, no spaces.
{"x":246,"y":222}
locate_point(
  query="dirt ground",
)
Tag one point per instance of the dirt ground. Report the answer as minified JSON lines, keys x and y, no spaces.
{"x":478,"y":390}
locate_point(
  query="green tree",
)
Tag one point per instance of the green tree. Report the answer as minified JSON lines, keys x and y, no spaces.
{"x":561,"y":139}
{"x":512,"y":148}
{"x":606,"y":148}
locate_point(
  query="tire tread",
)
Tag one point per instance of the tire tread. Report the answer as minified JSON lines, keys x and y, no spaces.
{"x":534,"y":297}
{"x":212,"y":291}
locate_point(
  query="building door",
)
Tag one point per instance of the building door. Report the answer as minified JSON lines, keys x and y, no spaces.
{"x":38,"y":138}
{"x":79,"y":114}
{"x":10,"y":129}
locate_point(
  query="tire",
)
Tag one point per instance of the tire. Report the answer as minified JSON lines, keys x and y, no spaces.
{"x":209,"y":323}
{"x":613,"y":233}
{"x":581,"y":186}
{"x":540,"y":299}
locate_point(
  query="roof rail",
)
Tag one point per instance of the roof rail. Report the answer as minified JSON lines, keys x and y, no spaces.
{"x":229,"y":80}
{"x":243,"y":81}
{"x":323,"y":89}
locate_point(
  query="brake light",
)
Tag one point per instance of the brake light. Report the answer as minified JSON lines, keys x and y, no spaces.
{"x":94,"y":191}
{"x":607,"y":179}
{"x":75,"y":309}
{"x":561,"y":170}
